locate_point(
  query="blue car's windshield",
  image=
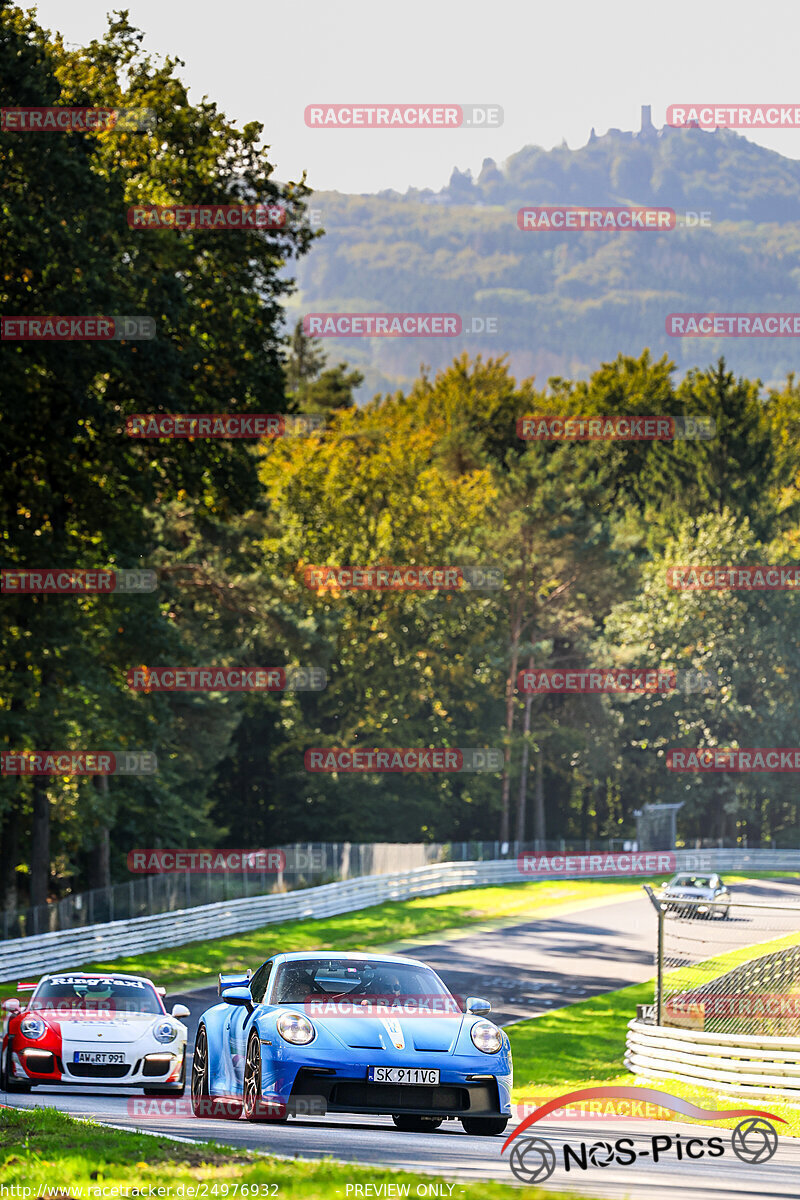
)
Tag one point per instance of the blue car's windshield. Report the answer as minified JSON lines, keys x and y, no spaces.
{"x":301,"y":979}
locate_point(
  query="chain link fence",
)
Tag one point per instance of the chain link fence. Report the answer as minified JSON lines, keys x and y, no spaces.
{"x":311,"y":864}
{"x":728,"y":968}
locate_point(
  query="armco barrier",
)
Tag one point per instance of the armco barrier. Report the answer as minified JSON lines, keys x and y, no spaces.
{"x":744,"y":1066}
{"x":93,"y":943}
{"x":73,"y":948}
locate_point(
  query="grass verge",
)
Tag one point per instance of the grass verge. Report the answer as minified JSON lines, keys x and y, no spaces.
{"x":197,"y":963}
{"x":45,"y":1149}
{"x":583,"y":1045}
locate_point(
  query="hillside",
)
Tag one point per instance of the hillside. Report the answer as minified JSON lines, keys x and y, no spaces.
{"x":565,"y":300}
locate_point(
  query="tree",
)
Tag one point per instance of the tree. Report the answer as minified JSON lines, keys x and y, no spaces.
{"x":76,"y":491}
{"x":303,"y":363}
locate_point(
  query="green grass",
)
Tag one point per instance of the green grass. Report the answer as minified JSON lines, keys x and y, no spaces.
{"x":197,"y":963}
{"x":384,"y":926}
{"x":42,"y":1148}
{"x":683,"y":979}
{"x":583,"y":1045}
{"x":582,"y":1042}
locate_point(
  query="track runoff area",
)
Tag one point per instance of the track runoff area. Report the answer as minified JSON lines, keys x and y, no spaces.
{"x":525,"y":969}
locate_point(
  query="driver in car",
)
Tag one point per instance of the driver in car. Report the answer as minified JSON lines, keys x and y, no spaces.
{"x":296,"y":984}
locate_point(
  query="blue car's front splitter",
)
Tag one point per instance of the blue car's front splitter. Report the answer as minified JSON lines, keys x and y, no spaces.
{"x":475,"y":1090}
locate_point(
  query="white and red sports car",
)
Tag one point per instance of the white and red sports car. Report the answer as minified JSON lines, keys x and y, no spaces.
{"x":94,"y":1029}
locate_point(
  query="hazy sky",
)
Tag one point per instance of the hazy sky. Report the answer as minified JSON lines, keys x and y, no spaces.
{"x":556,"y":69}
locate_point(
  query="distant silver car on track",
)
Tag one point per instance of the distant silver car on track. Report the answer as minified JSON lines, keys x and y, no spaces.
{"x":691,"y":895}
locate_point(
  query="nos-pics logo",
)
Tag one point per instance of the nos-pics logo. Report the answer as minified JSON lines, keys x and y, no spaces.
{"x":533,"y":1159}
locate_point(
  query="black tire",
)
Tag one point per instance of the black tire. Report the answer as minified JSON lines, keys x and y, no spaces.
{"x":411,"y":1123}
{"x":485,"y":1126}
{"x":203,"y":1104}
{"x":255,"y":1107}
{"x":11,"y":1084}
{"x":170,"y":1091}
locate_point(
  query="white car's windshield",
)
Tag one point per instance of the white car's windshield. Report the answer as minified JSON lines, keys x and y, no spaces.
{"x":108,"y":994}
{"x":692,"y":881}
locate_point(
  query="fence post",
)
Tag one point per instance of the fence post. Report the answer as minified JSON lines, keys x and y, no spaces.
{"x":660,"y":961}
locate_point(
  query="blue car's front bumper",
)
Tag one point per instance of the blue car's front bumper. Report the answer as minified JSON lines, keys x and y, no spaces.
{"x":465,"y":1088}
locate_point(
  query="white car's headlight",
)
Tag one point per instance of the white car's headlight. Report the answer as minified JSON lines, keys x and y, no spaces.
{"x":486,"y":1037}
{"x":32,"y":1028}
{"x":295,"y":1028}
{"x":165,"y":1031}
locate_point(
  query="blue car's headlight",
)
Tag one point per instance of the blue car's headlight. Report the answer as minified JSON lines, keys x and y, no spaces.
{"x":486,"y":1037}
{"x":295,"y":1028}
{"x":165,"y":1031}
{"x":32,"y":1028}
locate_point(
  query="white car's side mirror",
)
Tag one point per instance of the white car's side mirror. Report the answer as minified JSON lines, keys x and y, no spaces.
{"x":180,"y":1010}
{"x":11,"y":1006}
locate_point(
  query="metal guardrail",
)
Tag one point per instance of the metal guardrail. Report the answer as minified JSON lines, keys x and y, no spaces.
{"x":74,"y":948}
{"x":71,"y":949}
{"x":308,"y":864}
{"x":750,"y":1066}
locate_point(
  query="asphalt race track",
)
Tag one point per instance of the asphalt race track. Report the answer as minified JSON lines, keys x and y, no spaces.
{"x":524,"y":969}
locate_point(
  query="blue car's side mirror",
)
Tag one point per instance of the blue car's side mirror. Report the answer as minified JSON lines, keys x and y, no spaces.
{"x":238,"y":995}
{"x":478,"y":1006}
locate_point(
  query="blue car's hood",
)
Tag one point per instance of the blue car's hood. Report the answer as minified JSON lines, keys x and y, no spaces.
{"x":409,"y":1033}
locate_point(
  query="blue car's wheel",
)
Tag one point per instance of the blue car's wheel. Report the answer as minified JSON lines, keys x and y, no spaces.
{"x":203,"y":1104}
{"x":256,"y":1108}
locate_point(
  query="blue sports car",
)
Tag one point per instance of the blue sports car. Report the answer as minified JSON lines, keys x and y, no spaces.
{"x":313,"y":1032}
